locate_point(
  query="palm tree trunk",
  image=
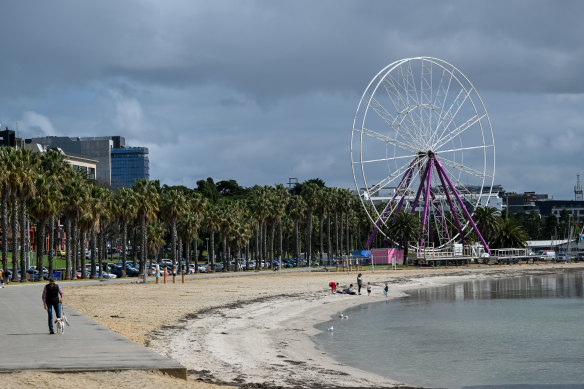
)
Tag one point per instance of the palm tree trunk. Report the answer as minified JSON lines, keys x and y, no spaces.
{"x":51,"y":243}
{"x":347,"y":236}
{"x":257,"y":245}
{"x":143,"y":244}
{"x":68,"y":248}
{"x":124,"y":242}
{"x":321,"y":233}
{"x":280,"y":240}
{"x":329,"y":246}
{"x":23,"y":234}
{"x":102,"y":252}
{"x":4,"y":234}
{"x":93,"y":250}
{"x":337,"y":251}
{"x":82,"y":255}
{"x":224,"y":251}
{"x":247,"y":256}
{"x":212,"y":247}
{"x":173,"y":241}
{"x":15,"y":239}
{"x":40,"y":247}
{"x":296,"y":241}
{"x":273,"y":235}
{"x":195,"y":253}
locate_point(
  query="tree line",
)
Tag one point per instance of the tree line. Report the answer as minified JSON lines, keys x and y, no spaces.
{"x":226,"y":221}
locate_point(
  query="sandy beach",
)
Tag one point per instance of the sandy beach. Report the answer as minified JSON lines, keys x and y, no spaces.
{"x":248,"y":330}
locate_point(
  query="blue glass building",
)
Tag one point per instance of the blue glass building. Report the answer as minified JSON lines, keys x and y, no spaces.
{"x":128,"y":165}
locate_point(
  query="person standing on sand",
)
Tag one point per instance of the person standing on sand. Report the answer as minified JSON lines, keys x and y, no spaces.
{"x":369,"y":289}
{"x":52,"y":298}
{"x":359,"y":282}
{"x":386,"y":291}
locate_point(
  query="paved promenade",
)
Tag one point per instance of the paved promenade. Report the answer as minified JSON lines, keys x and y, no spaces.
{"x":85,"y":346}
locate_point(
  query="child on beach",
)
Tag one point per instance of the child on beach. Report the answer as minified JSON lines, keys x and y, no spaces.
{"x":333,"y":285}
{"x":369,"y":289}
{"x":386,"y":292}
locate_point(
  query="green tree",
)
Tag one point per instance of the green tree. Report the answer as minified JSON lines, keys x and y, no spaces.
{"x":127,"y":211}
{"x":296,"y":211}
{"x":173,"y":205}
{"x":148,"y":198}
{"x":488,"y":222}
{"x":510,"y":235}
{"x":405,"y":228}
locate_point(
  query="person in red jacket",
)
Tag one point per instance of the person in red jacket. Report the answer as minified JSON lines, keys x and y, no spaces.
{"x":333,"y":285}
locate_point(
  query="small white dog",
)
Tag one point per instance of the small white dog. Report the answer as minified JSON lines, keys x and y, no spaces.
{"x":60,"y":322}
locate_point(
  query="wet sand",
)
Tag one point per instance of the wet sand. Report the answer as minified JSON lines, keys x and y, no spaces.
{"x":248,"y":330}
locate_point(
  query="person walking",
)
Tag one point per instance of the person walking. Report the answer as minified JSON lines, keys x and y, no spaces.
{"x":52,"y":298}
{"x":369,"y":289}
{"x":359,"y":282}
{"x":386,"y":291}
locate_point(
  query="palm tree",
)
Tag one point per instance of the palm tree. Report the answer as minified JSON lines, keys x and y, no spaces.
{"x":43,"y":204}
{"x":212,"y":225}
{"x":405,"y":228}
{"x":4,"y":196}
{"x":147,"y":195}
{"x":76,"y":202}
{"x":296,"y":210}
{"x":279,"y":200}
{"x":310,"y":193}
{"x":510,"y":235}
{"x":127,"y":211}
{"x":190,"y":223}
{"x":22,"y":174}
{"x":173,"y":205}
{"x":227,"y":217}
{"x":156,"y":232}
{"x":488,"y":222}
{"x":54,"y":166}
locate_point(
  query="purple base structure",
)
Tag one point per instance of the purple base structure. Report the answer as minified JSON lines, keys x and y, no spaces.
{"x":428,"y":195}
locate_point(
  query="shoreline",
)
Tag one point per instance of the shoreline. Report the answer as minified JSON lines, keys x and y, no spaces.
{"x":250,"y":331}
{"x":268,"y":341}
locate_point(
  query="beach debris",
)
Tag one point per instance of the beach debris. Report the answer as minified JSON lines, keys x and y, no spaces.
{"x":331,"y":329}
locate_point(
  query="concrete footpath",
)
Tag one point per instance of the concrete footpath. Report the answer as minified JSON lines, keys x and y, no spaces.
{"x":85,"y":346}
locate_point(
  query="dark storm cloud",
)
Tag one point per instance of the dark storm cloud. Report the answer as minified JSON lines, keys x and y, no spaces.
{"x":272,"y":49}
{"x":264,"y":90}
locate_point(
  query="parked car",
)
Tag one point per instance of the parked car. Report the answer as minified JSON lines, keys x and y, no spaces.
{"x":563,"y":257}
{"x":215,"y":267}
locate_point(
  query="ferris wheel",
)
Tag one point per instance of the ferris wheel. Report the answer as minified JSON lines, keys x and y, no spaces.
{"x":422,"y":143}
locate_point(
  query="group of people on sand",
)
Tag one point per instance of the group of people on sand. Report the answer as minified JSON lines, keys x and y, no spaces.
{"x":350,"y":290}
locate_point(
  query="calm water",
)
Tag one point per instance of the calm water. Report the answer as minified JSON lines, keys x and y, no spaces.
{"x":511,"y":333}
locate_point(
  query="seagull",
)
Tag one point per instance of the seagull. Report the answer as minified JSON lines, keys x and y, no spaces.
{"x":341,"y":315}
{"x":344,"y":317}
{"x":331,"y":329}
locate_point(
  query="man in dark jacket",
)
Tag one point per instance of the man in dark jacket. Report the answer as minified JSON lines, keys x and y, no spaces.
{"x":52,"y":298}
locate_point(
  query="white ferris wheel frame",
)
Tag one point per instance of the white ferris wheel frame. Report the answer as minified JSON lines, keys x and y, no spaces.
{"x":419,"y":140}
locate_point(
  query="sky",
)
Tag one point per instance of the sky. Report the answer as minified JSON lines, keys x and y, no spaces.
{"x":261,"y":91}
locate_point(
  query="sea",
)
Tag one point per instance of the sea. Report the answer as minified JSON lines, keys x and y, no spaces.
{"x":517,"y":333}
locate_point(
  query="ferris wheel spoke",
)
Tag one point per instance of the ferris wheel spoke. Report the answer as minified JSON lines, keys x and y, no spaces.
{"x":462,"y":168}
{"x":384,"y":114}
{"x":389,"y":140}
{"x":449,"y":116}
{"x":458,"y":130}
{"x":389,"y":179}
{"x":463,"y":149}
{"x":405,"y":107}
